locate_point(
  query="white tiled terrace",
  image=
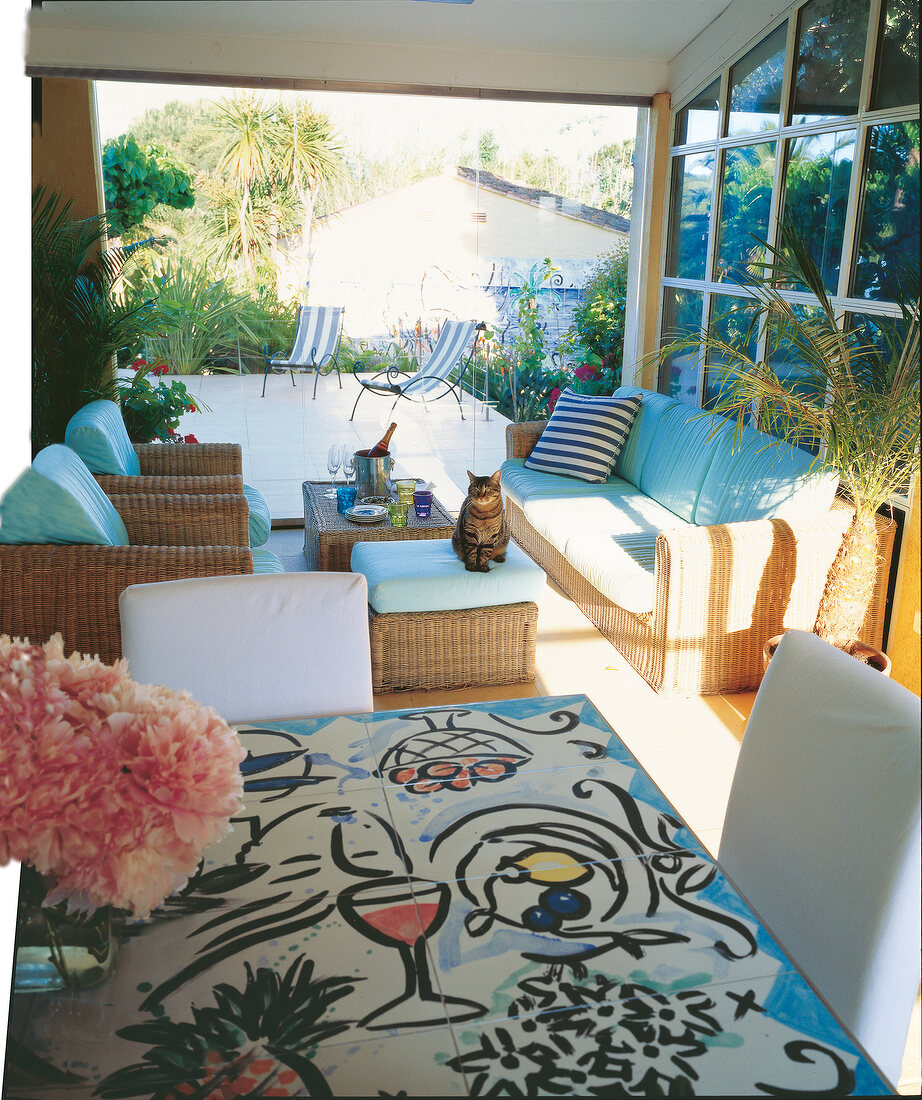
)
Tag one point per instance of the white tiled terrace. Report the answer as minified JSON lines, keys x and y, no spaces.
{"x":689,"y":746}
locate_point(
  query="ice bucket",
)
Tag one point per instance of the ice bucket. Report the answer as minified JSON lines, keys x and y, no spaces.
{"x":372,"y":475}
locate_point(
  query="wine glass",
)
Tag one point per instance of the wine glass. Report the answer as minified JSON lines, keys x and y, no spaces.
{"x":348,"y":462}
{"x":334,"y":461}
{"x":401,"y":913}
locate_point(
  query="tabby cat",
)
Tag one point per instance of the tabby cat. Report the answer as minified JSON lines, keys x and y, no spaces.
{"x":481,"y":535}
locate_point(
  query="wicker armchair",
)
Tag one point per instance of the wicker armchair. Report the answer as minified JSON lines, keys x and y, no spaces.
{"x":74,"y":589}
{"x":198,"y":459}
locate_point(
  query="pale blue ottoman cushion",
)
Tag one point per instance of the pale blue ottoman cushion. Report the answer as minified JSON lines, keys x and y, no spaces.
{"x":57,"y":500}
{"x":260,"y":520}
{"x":98,"y":434}
{"x":427,"y":575}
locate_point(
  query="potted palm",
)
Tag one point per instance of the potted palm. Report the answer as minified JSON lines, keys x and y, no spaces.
{"x":851,"y":399}
{"x":79,"y":323}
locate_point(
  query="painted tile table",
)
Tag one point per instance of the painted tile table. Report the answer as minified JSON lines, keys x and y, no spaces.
{"x":490,"y":900}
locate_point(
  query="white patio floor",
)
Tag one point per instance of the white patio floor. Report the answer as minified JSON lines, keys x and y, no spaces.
{"x":286,"y":434}
{"x":689,"y":746}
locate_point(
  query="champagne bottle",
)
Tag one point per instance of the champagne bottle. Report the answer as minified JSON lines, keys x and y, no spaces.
{"x":382,"y":447}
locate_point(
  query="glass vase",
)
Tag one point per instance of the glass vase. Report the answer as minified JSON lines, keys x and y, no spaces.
{"x":60,"y":950}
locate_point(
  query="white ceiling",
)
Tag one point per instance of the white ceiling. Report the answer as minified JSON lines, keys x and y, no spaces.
{"x":586,"y":47}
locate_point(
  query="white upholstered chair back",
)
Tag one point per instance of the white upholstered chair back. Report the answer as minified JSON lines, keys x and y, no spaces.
{"x":269,"y":646}
{"x":821,"y":833}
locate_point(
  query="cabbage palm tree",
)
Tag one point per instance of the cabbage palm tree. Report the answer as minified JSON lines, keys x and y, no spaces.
{"x":853,"y":399}
{"x":274,"y":157}
{"x":243,"y":137}
{"x":309,"y":156}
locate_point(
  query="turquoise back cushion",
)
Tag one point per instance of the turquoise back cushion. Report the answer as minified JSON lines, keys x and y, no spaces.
{"x":58,"y":500}
{"x":630,"y":461}
{"x":760,"y":478}
{"x":97,"y":433}
{"x":679,"y":457}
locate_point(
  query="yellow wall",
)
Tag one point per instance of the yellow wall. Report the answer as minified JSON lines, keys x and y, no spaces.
{"x":425,"y":249}
{"x":904,"y":646}
{"x":65,"y":155}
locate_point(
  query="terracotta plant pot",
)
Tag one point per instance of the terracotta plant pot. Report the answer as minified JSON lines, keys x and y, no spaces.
{"x":861,"y":651}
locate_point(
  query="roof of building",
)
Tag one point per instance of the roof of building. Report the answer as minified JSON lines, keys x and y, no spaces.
{"x":535,"y":196}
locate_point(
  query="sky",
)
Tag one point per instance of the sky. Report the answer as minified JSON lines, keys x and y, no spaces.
{"x":377,"y":123}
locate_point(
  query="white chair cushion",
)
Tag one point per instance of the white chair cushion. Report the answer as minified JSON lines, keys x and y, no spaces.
{"x":271,"y":646}
{"x":427,"y":575}
{"x":822,"y":837}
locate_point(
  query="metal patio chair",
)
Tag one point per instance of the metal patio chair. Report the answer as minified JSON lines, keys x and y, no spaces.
{"x":316,"y":346}
{"x":432,"y":377}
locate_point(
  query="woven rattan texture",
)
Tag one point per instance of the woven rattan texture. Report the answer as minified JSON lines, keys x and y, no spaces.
{"x":168,"y":483}
{"x":721,"y":593}
{"x":208,"y":459}
{"x":329,"y":537}
{"x":74,"y":590}
{"x":453,"y":649}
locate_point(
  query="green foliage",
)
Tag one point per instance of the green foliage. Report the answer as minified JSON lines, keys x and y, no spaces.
{"x":597,"y":332}
{"x":206,"y":313}
{"x":137,"y":179}
{"x":152,"y":410}
{"x":264,"y":321}
{"x":78,"y":323}
{"x":520,"y":368}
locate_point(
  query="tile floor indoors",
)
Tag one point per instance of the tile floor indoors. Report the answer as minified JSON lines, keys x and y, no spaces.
{"x":688,"y":745}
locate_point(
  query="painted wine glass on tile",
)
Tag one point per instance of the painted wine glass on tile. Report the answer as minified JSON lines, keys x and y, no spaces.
{"x":487,"y":900}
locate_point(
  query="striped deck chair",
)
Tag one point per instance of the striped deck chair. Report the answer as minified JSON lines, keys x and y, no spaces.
{"x":432,"y":380}
{"x":316,"y":345}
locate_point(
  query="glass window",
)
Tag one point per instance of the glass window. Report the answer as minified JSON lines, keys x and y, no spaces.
{"x":732,"y":320}
{"x":755,"y":86}
{"x":698,"y":121}
{"x":886,"y":334}
{"x":678,"y":376}
{"x":745,"y":202}
{"x":896,"y":77}
{"x":690,"y":215}
{"x":890,"y":210}
{"x":816,"y":183}
{"x":831,"y":41}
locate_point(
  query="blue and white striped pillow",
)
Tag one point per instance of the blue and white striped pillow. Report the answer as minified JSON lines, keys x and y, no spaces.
{"x":583,"y":436}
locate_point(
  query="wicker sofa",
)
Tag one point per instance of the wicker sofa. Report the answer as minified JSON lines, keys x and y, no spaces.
{"x":694,"y":551}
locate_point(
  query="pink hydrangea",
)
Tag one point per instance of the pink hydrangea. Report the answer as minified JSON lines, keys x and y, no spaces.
{"x":111,"y":787}
{"x":585,"y":373}
{"x":552,"y":400}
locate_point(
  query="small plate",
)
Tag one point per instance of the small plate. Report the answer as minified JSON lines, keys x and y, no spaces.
{"x":366,"y":513}
{"x":376,"y":500}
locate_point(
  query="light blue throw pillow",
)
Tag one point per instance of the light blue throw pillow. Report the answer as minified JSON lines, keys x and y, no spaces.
{"x":57,"y":500}
{"x":583,"y":436}
{"x":98,"y":434}
{"x":259,"y":522}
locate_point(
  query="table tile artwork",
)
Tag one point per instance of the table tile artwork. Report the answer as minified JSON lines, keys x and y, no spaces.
{"x":486,"y":900}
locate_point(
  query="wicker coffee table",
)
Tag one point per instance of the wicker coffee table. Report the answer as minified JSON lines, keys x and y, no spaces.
{"x":329,"y":537}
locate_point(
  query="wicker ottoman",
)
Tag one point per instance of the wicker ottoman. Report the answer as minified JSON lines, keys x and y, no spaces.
{"x":434,"y":625}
